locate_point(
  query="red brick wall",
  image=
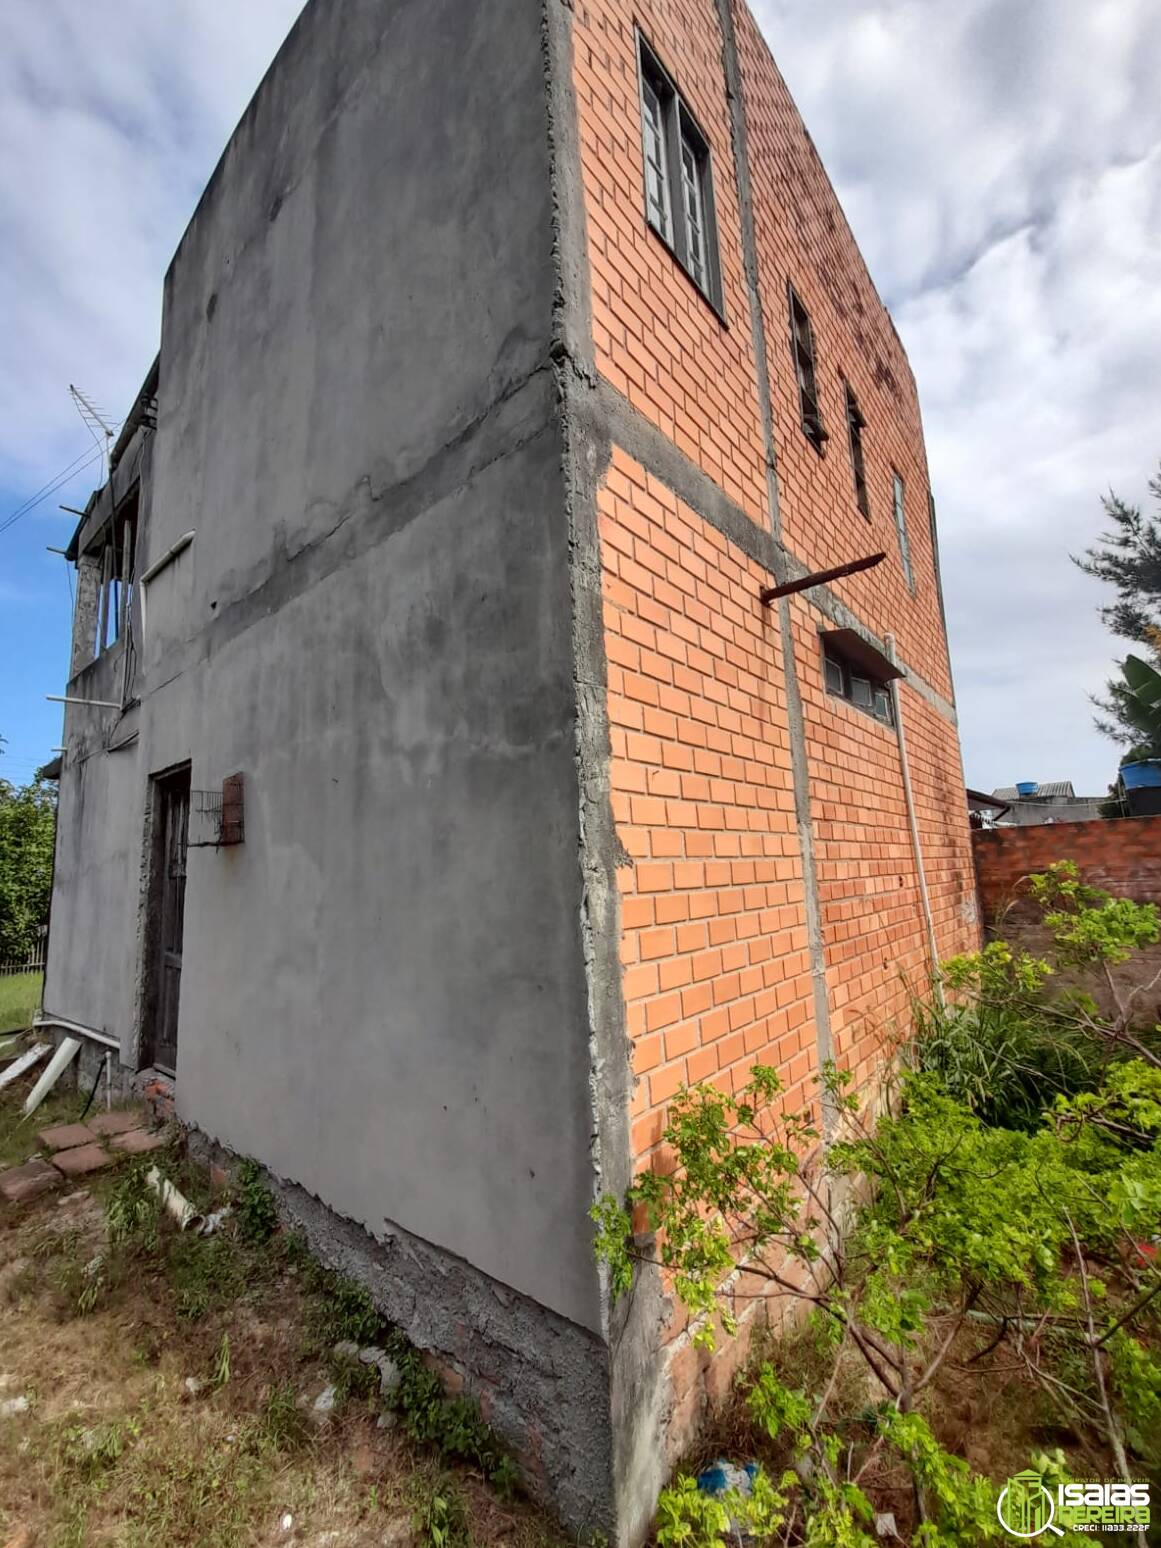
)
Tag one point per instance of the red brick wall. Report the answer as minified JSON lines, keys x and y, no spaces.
{"x":803,"y":237}
{"x":713,"y":924}
{"x":656,"y":339}
{"x":713,"y":936}
{"x":1123,"y":856}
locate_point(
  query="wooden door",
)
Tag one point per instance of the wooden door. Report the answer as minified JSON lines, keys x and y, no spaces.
{"x":169,"y":904}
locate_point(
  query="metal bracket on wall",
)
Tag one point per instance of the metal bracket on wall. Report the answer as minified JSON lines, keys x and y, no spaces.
{"x":770,"y":594}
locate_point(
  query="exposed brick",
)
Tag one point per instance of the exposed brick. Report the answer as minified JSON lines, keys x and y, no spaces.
{"x":1122,"y":855}
{"x":713,"y":898}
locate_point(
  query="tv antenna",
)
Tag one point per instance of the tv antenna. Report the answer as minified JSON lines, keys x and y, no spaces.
{"x":95,"y":422}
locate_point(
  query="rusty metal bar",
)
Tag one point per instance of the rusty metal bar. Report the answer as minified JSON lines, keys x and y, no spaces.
{"x":770,"y":594}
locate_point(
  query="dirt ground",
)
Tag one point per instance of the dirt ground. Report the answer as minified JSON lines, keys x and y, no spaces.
{"x":164,"y":1395}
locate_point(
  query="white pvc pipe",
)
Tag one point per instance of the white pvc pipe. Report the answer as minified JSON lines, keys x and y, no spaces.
{"x":57,"y":1065}
{"x":167,"y":557}
{"x":77,"y":1026}
{"x":917,"y":847}
{"x":176,"y":1203}
{"x":60,"y":698}
{"x":25,"y":1062}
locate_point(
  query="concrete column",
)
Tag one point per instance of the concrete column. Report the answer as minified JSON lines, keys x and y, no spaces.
{"x":85,"y":612}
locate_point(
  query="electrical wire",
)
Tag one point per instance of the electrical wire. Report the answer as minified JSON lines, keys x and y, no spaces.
{"x":78,"y":465}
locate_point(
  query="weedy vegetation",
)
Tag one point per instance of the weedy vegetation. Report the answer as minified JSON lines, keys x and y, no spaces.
{"x":993,"y":1227}
{"x":171,"y":1379}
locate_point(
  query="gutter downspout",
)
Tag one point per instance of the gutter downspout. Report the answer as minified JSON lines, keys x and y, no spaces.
{"x":917,"y":848}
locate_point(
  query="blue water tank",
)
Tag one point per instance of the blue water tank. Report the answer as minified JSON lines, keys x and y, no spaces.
{"x":1026,"y":787}
{"x":1138,"y":776}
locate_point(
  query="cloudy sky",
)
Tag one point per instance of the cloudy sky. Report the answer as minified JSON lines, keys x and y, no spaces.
{"x":1000,"y":161}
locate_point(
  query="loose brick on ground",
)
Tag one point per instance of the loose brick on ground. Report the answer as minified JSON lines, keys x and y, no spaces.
{"x":67,"y":1136}
{"x":117,"y":1122}
{"x":26,"y":1182}
{"x":137,"y":1141}
{"x":85,"y":1158}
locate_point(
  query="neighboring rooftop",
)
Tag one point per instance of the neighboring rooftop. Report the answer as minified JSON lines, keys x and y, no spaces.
{"x":1055,"y":790}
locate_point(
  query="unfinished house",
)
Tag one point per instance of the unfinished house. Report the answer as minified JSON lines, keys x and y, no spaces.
{"x":457,"y":770}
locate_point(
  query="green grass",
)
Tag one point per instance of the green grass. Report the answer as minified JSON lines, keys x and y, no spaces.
{"x":19,"y":997}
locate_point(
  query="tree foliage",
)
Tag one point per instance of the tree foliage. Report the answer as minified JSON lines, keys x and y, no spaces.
{"x":27,"y":833}
{"x":1127,"y":557}
{"x":923,"y":1236}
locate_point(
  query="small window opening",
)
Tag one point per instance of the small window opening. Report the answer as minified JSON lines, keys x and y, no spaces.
{"x":802,"y":349}
{"x":846,"y":678}
{"x":678,"y":182}
{"x":855,"y":426}
{"x":114,"y":556}
{"x":901,"y":528}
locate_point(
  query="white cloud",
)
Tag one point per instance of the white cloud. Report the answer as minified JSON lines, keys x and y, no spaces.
{"x":1000,"y":163}
{"x":110,"y":129}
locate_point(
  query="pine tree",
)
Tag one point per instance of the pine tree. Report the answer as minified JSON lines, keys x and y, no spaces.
{"x":1127,"y":557}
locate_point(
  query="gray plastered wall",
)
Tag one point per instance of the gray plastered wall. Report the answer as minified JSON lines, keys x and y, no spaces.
{"x":384,"y":994}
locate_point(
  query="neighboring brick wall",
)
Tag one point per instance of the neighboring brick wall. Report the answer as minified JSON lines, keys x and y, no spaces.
{"x":1122,"y":855}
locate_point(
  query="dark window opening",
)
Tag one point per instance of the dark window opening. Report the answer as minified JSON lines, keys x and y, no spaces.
{"x":858,"y":674}
{"x":802,"y":349}
{"x":678,"y":183}
{"x":901,"y":528}
{"x":855,"y":426}
{"x":114,"y":556}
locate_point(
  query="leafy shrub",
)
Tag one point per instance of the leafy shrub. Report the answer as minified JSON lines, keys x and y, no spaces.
{"x":254,"y":1205}
{"x":439,"y":1513}
{"x":133,"y":1211}
{"x":962,"y":1233}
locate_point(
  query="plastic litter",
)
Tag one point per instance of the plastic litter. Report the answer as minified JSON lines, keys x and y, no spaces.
{"x":723,"y":1477}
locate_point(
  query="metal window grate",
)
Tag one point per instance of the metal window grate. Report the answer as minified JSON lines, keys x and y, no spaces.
{"x":217,"y":817}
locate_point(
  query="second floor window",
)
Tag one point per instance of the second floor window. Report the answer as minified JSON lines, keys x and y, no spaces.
{"x":678,"y":184}
{"x":901,"y":528}
{"x":802,"y":348}
{"x":855,"y":425}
